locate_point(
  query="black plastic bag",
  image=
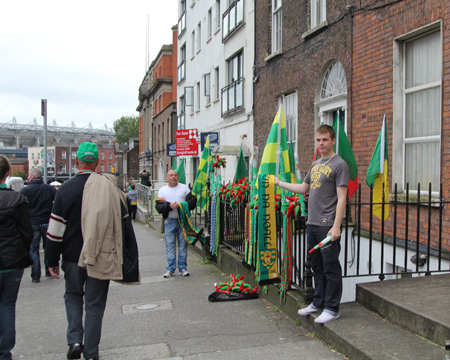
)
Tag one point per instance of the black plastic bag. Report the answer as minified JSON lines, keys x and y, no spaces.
{"x":219,"y":296}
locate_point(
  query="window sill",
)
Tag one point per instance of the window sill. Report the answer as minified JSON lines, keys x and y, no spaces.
{"x":273,"y":55}
{"x":317,"y":29}
{"x":414,"y":199}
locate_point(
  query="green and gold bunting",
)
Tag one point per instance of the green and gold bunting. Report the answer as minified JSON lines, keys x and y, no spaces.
{"x":200,"y":190}
{"x":267,"y":230}
{"x":277,"y":135}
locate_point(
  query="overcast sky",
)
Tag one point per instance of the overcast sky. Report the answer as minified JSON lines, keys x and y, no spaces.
{"x":86,"y":57}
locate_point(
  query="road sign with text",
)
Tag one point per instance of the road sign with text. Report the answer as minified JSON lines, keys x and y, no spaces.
{"x":186,"y":142}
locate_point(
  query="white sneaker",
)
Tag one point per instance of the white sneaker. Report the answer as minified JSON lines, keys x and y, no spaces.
{"x":168,"y":274}
{"x":308,"y":310}
{"x":326,"y":317}
{"x":184,"y":272}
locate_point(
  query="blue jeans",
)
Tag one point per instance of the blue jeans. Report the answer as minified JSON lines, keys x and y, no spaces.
{"x":40,"y":231}
{"x":94,"y":292}
{"x":174,"y":233}
{"x":9,"y":288}
{"x":327,"y":270}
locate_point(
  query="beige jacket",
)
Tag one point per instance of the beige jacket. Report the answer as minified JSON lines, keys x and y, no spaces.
{"x":101,"y":225}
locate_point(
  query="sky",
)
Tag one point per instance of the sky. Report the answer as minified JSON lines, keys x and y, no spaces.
{"x":86,"y":57}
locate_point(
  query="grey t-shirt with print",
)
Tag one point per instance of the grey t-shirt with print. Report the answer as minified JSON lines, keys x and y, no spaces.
{"x":323,"y":177}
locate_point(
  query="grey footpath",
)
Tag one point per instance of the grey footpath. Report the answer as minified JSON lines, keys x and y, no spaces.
{"x":165,"y":318}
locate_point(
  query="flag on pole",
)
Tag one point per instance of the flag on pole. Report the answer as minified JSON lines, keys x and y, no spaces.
{"x":344,"y":150}
{"x":269,"y":159}
{"x":241,"y":169}
{"x":181,"y":171}
{"x":174,"y":165}
{"x":292,"y":164}
{"x":378,"y":174}
{"x":200,"y":189}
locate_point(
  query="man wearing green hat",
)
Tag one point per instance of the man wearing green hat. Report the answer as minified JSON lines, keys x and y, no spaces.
{"x":78,"y":218}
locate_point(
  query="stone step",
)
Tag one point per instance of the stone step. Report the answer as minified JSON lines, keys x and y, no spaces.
{"x":361,"y":334}
{"x":418,"y":304}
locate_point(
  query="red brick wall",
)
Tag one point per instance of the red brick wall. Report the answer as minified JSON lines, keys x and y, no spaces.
{"x":372,"y":96}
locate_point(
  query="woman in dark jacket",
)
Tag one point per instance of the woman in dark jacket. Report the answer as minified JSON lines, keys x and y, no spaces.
{"x":16,"y":234}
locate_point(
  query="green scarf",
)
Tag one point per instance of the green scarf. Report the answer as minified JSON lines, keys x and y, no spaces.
{"x":191,"y":233}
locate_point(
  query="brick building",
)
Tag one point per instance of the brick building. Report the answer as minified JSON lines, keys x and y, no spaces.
{"x":364,"y":60}
{"x":157,"y":108}
{"x":303,"y":61}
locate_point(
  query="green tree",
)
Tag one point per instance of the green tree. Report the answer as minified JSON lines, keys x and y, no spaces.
{"x":19,"y":173}
{"x":125,"y":128}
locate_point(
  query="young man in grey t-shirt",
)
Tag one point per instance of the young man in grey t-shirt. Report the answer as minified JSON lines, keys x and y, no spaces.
{"x":327,"y":182}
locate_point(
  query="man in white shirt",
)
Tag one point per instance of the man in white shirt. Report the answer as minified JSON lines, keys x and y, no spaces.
{"x":167,"y":204}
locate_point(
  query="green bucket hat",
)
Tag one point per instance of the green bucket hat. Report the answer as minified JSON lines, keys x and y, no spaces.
{"x":87,"y":152}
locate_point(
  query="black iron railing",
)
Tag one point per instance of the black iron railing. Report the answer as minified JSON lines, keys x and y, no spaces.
{"x":410,"y":241}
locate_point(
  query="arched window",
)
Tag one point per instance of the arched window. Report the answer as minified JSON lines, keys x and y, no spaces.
{"x":334,"y":82}
{"x":331,"y":95}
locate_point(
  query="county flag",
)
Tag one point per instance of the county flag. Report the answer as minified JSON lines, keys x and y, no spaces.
{"x":277,"y":135}
{"x":292,"y":164}
{"x":200,"y":190}
{"x":241,"y":169}
{"x":344,"y":150}
{"x":378,"y":175}
{"x":181,"y":171}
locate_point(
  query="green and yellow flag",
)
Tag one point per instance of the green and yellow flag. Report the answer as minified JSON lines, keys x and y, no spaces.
{"x":277,"y":135}
{"x":200,"y":190}
{"x":378,"y":174}
{"x":181,"y":171}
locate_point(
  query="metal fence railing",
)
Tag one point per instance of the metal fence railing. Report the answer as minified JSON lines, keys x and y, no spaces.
{"x":409,"y":242}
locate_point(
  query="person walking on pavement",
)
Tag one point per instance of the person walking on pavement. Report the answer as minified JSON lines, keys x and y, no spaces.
{"x":327,"y":182}
{"x":40,"y":197}
{"x":85,"y":227}
{"x":167,"y":204}
{"x":15,"y":239}
{"x":132,"y":196}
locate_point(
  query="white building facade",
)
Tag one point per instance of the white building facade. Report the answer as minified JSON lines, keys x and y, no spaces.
{"x":215,"y":71}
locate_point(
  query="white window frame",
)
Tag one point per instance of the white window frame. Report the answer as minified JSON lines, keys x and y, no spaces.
{"x":400,"y":141}
{"x":318,"y":12}
{"x":63,"y":155}
{"x":182,"y":63}
{"x":182,"y":18}
{"x":277,"y":26}
{"x":207,"y":87}
{"x":290,"y":105}
{"x":210,"y":24}
{"x":197,"y":97}
{"x":217,"y":83}
{"x":218,"y":17}
{"x":193,"y":39}
{"x":199,"y":37}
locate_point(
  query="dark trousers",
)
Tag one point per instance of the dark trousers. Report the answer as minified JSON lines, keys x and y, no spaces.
{"x":326,"y":269}
{"x":133,"y":209}
{"x":9,"y":289}
{"x":39,"y":232}
{"x":94,"y":292}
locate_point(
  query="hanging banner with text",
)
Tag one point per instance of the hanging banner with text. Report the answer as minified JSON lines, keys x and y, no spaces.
{"x":267,"y":230}
{"x":186,"y":142}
